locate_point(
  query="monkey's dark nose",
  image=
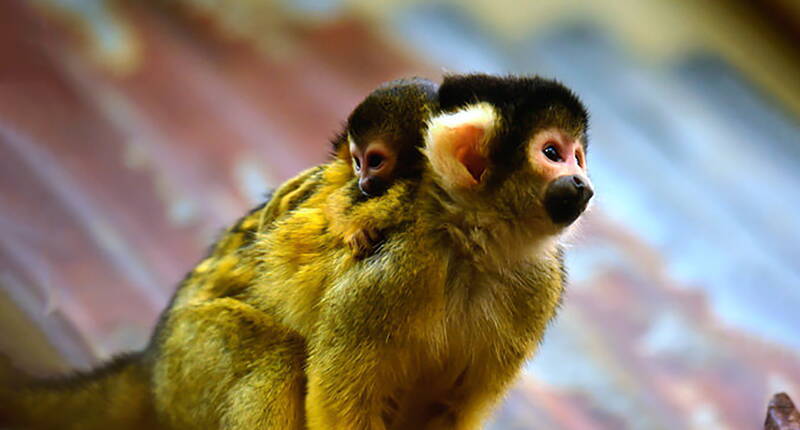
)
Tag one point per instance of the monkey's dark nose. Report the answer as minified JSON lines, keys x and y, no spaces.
{"x":566,"y":198}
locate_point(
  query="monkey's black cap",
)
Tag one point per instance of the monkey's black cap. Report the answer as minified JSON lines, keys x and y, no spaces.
{"x":525,"y":103}
{"x":512,"y":95}
{"x":390,"y":108}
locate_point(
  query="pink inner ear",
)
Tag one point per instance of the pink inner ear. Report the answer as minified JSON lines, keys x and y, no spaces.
{"x":469,"y":138}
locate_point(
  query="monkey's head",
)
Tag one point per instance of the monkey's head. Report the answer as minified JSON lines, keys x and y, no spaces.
{"x":512,"y":146}
{"x":385,"y":133}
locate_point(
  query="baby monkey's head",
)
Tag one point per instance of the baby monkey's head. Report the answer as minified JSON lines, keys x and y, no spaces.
{"x":385,"y":133}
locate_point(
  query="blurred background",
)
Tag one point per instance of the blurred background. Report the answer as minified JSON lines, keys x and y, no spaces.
{"x":133,"y":132}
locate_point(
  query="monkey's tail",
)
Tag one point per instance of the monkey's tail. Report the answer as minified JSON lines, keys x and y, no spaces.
{"x":116,"y":396}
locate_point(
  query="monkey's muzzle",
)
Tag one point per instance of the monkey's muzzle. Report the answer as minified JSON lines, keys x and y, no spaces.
{"x":373,"y":186}
{"x":566,"y":198}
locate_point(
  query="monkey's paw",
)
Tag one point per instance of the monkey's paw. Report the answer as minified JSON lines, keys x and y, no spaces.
{"x":362,"y":242}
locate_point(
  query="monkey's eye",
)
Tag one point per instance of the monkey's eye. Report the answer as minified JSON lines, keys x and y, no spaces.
{"x":357,"y":163}
{"x":374,"y":160}
{"x":551,"y":152}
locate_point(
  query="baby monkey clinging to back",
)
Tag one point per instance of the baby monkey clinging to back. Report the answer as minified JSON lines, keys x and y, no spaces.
{"x":384,"y":134}
{"x":383,"y":138}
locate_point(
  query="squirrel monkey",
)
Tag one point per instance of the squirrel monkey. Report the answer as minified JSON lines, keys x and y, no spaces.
{"x":285,"y":328}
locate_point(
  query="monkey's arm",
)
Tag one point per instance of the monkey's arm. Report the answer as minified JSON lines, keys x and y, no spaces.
{"x":363,"y":225}
{"x":344,"y":387}
{"x":345,"y":367}
{"x":366,"y":317}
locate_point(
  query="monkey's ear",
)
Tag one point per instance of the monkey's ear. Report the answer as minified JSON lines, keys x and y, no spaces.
{"x":457,"y":143}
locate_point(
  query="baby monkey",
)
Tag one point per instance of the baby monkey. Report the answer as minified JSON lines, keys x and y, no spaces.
{"x":384,"y":133}
{"x":382,"y":140}
{"x":379,"y":145}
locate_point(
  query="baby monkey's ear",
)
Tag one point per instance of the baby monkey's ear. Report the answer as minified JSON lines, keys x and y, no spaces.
{"x":457,"y":144}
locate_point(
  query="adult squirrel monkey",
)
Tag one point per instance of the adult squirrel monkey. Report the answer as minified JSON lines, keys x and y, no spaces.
{"x":285,"y":327}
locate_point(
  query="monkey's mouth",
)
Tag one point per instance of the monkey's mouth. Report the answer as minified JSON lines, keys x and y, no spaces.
{"x":566,"y":198}
{"x":373,"y":186}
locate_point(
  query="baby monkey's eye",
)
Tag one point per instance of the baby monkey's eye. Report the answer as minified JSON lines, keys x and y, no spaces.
{"x":374,"y":160}
{"x":357,"y":163}
{"x":551,"y":152}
